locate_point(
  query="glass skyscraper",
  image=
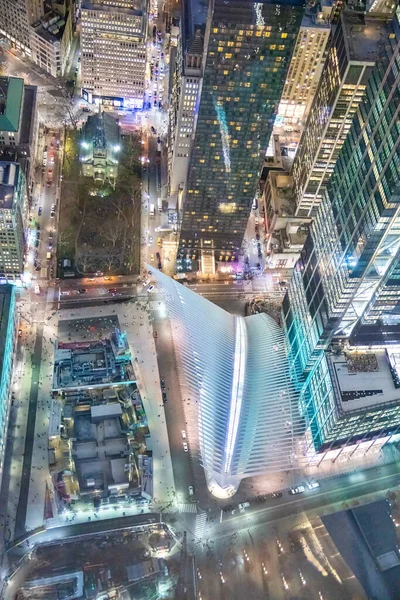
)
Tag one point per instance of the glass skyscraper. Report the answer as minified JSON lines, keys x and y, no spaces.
{"x":347,"y":281}
{"x":341,"y":89}
{"x":248,"y":47}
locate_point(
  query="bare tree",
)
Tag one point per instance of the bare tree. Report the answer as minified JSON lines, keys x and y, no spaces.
{"x":113,"y":232}
{"x":84,"y":262}
{"x":64,"y":238}
{"x":110,"y":262}
{"x":66,"y":113}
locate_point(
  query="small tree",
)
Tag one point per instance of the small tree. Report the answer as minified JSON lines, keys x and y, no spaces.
{"x":113,"y":232}
{"x":84,"y":263}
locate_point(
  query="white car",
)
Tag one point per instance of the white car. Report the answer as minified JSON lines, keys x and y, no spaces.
{"x":298,"y":490}
{"x":37,"y":288}
{"x":243,"y":506}
{"x":183,"y":434}
{"x":191,"y":490}
{"x":185,"y":447}
{"x":312,"y":485}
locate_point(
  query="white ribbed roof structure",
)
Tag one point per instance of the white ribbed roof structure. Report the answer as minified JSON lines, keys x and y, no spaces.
{"x":240,"y":402}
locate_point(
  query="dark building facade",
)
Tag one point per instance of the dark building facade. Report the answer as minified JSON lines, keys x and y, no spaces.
{"x":248,"y":47}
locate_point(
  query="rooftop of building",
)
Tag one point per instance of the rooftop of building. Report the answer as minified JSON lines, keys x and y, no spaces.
{"x":6,"y":299}
{"x":100,"y":447}
{"x":8,"y":179}
{"x":196,"y":43}
{"x":91,"y":363}
{"x":28,"y":114}
{"x":260,"y":344}
{"x":364,"y":378}
{"x":143,"y":569}
{"x":134,"y":9}
{"x":363,"y":35}
{"x":318,"y":15}
{"x":242,"y":12}
{"x":281,"y":184}
{"x":11,"y":96}
{"x":194,"y":20}
{"x":50,"y":27}
{"x":101,"y":132}
{"x":366,"y":538}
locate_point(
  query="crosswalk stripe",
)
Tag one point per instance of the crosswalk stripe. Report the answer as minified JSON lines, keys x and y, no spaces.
{"x":200,"y":525}
{"x":189,"y":507}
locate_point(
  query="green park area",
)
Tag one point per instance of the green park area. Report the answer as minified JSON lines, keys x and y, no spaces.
{"x":99,"y":228}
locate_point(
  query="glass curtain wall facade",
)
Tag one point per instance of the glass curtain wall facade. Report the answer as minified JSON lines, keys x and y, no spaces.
{"x":248,"y":48}
{"x":8,"y":329}
{"x":350,"y":263}
{"x":339,"y":93}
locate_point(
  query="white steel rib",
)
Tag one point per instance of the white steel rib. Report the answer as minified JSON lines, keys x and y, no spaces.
{"x":240,"y":401}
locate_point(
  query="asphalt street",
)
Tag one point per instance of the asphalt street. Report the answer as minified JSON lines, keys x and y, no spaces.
{"x":174,"y":415}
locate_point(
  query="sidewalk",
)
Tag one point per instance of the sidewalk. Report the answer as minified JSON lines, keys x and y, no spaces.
{"x":40,"y":463}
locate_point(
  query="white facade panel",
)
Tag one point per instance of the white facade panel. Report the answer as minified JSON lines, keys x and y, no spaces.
{"x":243,"y":418}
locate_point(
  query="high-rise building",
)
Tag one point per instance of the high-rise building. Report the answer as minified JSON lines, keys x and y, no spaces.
{"x":239,"y":397}
{"x":16,"y":17}
{"x":13,"y":218}
{"x":51,"y":38}
{"x":8,"y":336}
{"x":42,"y":30}
{"x":306,"y":65}
{"x":19,"y":123}
{"x":184,"y":104}
{"x":341,"y":310}
{"x":113,"y":41}
{"x":247,"y":51}
{"x":353,"y":52}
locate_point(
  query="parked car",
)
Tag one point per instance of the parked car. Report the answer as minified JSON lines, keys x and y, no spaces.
{"x":185,"y":447}
{"x":183,"y":434}
{"x":297,"y":490}
{"x":312,"y":485}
